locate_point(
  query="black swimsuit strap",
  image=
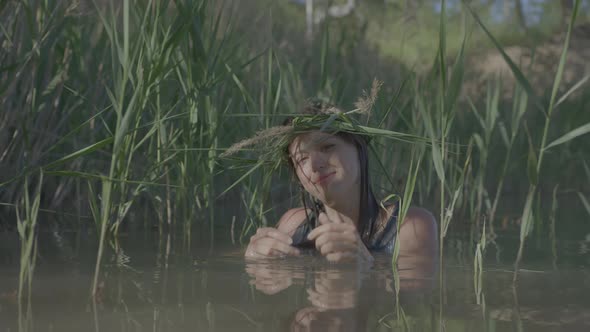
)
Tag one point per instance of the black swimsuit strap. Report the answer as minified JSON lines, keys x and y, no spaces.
{"x":300,"y":235}
{"x":378,"y":241}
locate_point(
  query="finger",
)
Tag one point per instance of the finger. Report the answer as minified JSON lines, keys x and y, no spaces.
{"x":268,"y":242}
{"x":337,"y":219}
{"x":323,"y":218}
{"x":345,"y":237}
{"x":317,"y":231}
{"x":278,"y":235}
{"x":273,"y":247}
{"x":337,"y":247}
{"x":272,"y":232}
{"x":290,"y":252}
{"x":260,"y":233}
{"x":330,"y":227}
{"x":328,"y":237}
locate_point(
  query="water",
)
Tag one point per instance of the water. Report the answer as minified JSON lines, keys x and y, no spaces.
{"x":157,"y":284}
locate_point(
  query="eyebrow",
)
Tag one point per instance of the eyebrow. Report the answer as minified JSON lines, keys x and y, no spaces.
{"x":301,"y":150}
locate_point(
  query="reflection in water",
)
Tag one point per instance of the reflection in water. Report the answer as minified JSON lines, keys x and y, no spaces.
{"x":333,"y":300}
{"x":341,"y":297}
{"x":200,"y":292}
{"x":271,"y":278}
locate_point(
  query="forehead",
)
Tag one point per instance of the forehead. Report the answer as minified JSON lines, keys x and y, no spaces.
{"x":306,"y":141}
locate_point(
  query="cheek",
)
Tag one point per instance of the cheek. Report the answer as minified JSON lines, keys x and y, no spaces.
{"x":352,"y":165}
{"x":301,"y":174}
{"x":355,"y":172}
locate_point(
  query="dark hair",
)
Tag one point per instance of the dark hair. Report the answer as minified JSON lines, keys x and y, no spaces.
{"x":368,"y":207}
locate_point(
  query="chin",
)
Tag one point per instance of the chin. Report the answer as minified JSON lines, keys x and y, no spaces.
{"x":330,"y":194}
{"x":330,"y":200}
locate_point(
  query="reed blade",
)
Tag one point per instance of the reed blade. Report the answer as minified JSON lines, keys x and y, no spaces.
{"x":520,"y":77}
{"x":582,"y":130}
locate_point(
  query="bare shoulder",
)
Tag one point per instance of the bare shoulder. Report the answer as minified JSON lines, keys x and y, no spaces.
{"x":419,"y":217}
{"x":291,"y":220}
{"x":418,"y":232}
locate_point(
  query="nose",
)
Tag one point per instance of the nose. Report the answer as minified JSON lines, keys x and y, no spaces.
{"x":317,"y":161}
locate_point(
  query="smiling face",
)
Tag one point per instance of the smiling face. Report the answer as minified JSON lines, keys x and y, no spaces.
{"x":327,"y":166}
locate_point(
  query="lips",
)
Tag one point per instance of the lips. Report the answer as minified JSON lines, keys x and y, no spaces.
{"x":323,"y":178}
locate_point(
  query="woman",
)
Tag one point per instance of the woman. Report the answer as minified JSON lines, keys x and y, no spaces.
{"x":344,"y":221}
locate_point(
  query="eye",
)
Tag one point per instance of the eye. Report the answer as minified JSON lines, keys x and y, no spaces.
{"x":301,"y":160}
{"x":327,"y":147}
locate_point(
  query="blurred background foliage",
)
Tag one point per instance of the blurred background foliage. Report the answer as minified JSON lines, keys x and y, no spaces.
{"x":126,"y":106}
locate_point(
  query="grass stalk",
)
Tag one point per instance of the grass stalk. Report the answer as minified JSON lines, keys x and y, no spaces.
{"x":535,"y":162}
{"x":28,"y":237}
{"x":417,"y":153}
{"x":552,"y":234}
{"x":478,"y":269}
{"x":519,"y":107}
{"x":527,"y":212}
{"x":483,"y":142}
{"x":122,"y":148}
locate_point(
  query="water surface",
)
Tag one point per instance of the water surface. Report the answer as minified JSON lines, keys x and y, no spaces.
{"x":151,"y":284}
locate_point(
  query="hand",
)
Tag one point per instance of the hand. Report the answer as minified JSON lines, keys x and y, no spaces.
{"x":339,"y":241}
{"x":270,"y":242}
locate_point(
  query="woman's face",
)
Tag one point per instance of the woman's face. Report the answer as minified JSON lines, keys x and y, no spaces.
{"x":326,"y":165}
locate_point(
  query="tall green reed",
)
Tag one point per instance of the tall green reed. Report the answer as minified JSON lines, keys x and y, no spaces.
{"x":140,"y":65}
{"x":534,"y":172}
{"x":124,"y":109}
{"x":535,"y":160}
{"x":205,"y":65}
{"x":478,"y":269}
{"x":583,"y":199}
{"x":552,"y":234}
{"x":38,"y":65}
{"x":167,"y":97}
{"x":438,"y":117}
{"x":27,"y":232}
{"x":519,"y":107}
{"x":487,"y":121}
